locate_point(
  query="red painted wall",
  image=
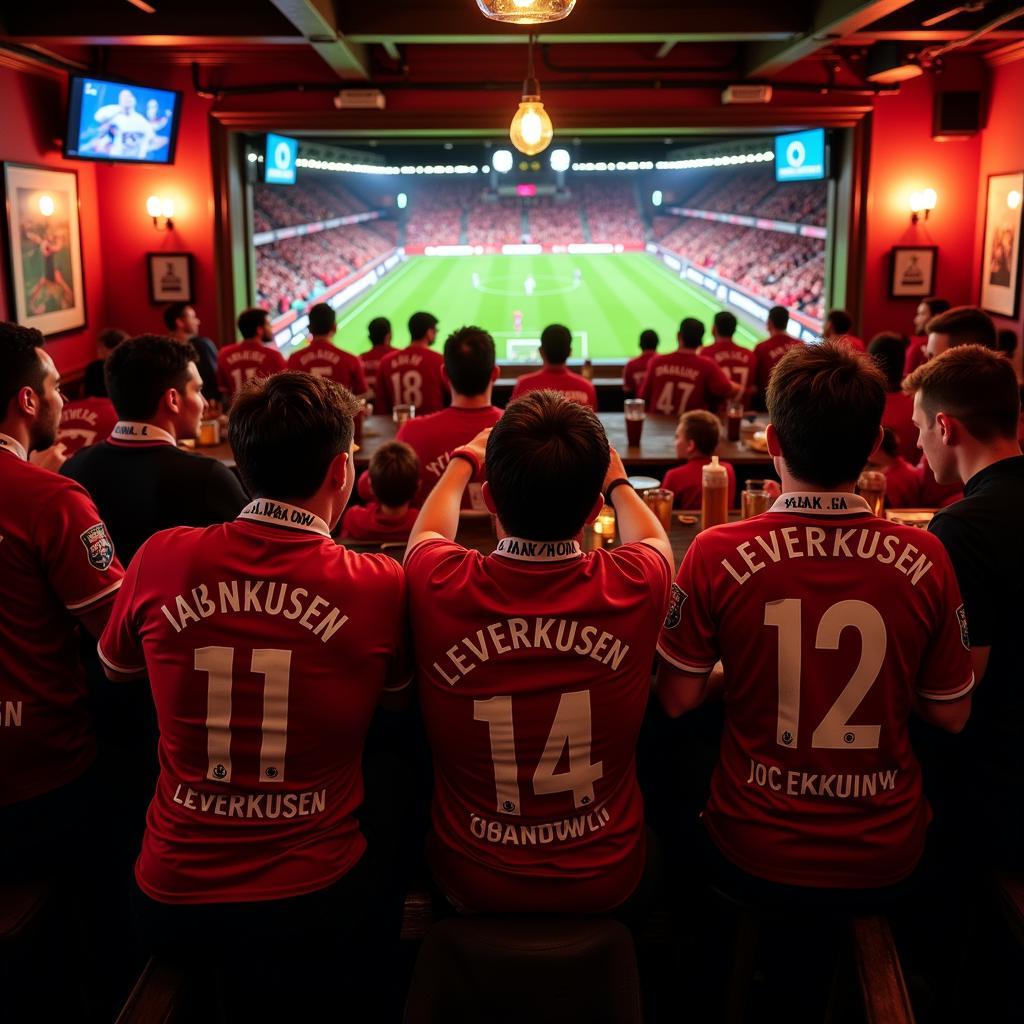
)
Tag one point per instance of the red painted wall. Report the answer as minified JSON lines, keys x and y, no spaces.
{"x":31,"y":119}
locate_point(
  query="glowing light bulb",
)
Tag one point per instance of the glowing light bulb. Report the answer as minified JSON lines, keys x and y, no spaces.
{"x":1013,"y":199}
{"x":167,"y":208}
{"x":526,"y":12}
{"x":153,"y":206}
{"x":46,"y":205}
{"x":531,"y":130}
{"x":929,"y":198}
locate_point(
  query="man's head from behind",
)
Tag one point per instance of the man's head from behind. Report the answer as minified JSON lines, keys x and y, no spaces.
{"x":292,"y":437}
{"x":180,"y":318}
{"x":394,"y":474}
{"x":379,"y":330}
{"x":961,"y":325}
{"x":889,"y":350}
{"x":30,"y":397}
{"x":926,"y":309}
{"x":254,"y":325}
{"x":423,"y":327}
{"x":322,"y":321}
{"x":825,"y":404}
{"x":556,"y":344}
{"x":967,"y":398}
{"x":697,"y":434}
{"x":546,"y":462}
{"x":153,"y":378}
{"x":469,"y":361}
{"x":691,"y":333}
{"x":724,"y":325}
{"x":778,"y":319}
{"x":837,"y":323}
{"x":107,"y":340}
{"x":649,"y":341}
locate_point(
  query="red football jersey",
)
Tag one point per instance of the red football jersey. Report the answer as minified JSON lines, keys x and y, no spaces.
{"x":683,"y":380}
{"x":368,"y":522}
{"x":558,"y":378}
{"x":766,"y":354}
{"x":829,"y":623}
{"x":56,"y":560}
{"x":633,"y":374}
{"x":534,"y":666}
{"x":916,"y":355}
{"x":322,"y":359}
{"x":266,"y":646}
{"x":411,"y":376}
{"x":737,"y":362}
{"x":239,"y":363}
{"x":85,"y":422}
{"x":686,"y":482}
{"x":851,"y":341}
{"x":902,"y":484}
{"x":899,"y":417}
{"x":435,"y":437}
{"x":371,"y":360}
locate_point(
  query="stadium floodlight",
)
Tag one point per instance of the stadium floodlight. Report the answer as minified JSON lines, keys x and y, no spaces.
{"x":526,"y":12}
{"x":502,"y":161}
{"x":560,"y":160}
{"x":656,"y":197}
{"x":401,"y":200}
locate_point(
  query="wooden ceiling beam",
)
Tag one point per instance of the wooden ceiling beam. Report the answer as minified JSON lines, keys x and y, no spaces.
{"x":316,"y":21}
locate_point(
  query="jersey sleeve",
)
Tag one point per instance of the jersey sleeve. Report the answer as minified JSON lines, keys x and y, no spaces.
{"x":718,"y":381}
{"x":120,"y":647}
{"x":358,"y":378}
{"x":689,"y":637}
{"x":646,"y":566}
{"x":947,"y":670}
{"x":277,"y":362}
{"x":980,"y":598}
{"x":76,"y":551}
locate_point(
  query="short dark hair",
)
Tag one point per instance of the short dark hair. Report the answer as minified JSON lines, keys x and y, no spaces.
{"x":889,"y":351}
{"x":890,"y":442}
{"x":420,"y":323}
{"x":826,"y":403}
{"x":1006,"y":341}
{"x":173,"y":313}
{"x":111,"y":337}
{"x":469,"y":360}
{"x":973,"y":384}
{"x":20,"y":365}
{"x":965,"y":325}
{"x":285,"y":430}
{"x":842,"y":322}
{"x":703,"y":429}
{"x":378,"y":330}
{"x":322,"y":319}
{"x":725,"y":323}
{"x":546,"y":462}
{"x":250,"y":321}
{"x":778,"y":317}
{"x":691,"y":332}
{"x":556,"y":343}
{"x":394,"y":473}
{"x":141,"y":369}
{"x":936,"y":305}
{"x":649,"y":340}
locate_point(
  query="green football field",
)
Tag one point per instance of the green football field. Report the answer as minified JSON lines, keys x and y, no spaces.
{"x":605,"y":300}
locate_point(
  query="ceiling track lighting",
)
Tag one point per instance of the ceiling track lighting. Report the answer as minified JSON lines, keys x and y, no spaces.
{"x":531,"y":130}
{"x":526,"y":12}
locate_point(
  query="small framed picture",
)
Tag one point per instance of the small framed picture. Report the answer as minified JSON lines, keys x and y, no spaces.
{"x":912,"y":271}
{"x":170,"y":277}
{"x":1001,"y":255}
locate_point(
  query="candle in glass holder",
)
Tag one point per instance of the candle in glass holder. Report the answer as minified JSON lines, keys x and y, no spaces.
{"x":604,"y":524}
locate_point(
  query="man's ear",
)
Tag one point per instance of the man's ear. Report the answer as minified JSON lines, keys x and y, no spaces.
{"x":774,"y":449}
{"x":596,"y":510}
{"x":28,"y":401}
{"x":949,"y":429}
{"x":485,"y":491}
{"x":495,"y":374}
{"x":338,"y":471}
{"x":171,"y":401}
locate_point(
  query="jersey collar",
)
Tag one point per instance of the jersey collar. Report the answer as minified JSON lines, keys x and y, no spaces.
{"x":279,"y":513}
{"x":15,"y":447}
{"x":538,"y":550}
{"x":821,"y":503}
{"x":134,"y":432}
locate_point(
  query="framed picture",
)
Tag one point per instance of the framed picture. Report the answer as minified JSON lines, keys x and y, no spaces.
{"x":1000,"y":256}
{"x":170,"y":276}
{"x":912,"y":271}
{"x":44,"y":248}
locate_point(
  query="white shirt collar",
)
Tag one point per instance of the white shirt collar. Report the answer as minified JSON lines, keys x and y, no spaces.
{"x":538,"y":550}
{"x":15,"y":447}
{"x":134,"y":432}
{"x":821,"y":503}
{"x":279,"y":513}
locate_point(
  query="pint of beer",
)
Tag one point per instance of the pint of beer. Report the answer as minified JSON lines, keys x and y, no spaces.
{"x":871,"y":487}
{"x":209,"y":433}
{"x":634,"y":411}
{"x":755,"y":499}
{"x":401,"y":413}
{"x":714,"y":499}
{"x":733,"y":420}
{"x":659,"y":501}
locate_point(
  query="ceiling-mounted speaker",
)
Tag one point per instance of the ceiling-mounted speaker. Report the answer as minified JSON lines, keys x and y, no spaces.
{"x":958,"y":114}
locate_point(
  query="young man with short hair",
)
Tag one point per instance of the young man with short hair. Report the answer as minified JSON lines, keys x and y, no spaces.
{"x":254,"y":356}
{"x":267,"y":648}
{"x":697,"y":437}
{"x":839,"y":328}
{"x":737,"y":362}
{"x":394,"y":476}
{"x":633,"y":374}
{"x":683,"y":380}
{"x":832,"y":627}
{"x":534,"y":666}
{"x":413,"y":375}
{"x":58,"y":571}
{"x":93,"y":384}
{"x":182,"y":323}
{"x":322,"y":358}
{"x":555,"y":350}
{"x":916,"y":350}
{"x":961,"y":325}
{"x":379,"y":332}
{"x":768,"y":352}
{"x":139,"y":478}
{"x":470,"y":371}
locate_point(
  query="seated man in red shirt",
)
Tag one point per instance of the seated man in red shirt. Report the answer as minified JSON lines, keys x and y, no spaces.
{"x":888,"y":350}
{"x":555,"y":349}
{"x":839,"y":328}
{"x":85,"y":422}
{"x":254,"y":356}
{"x":322,"y":358}
{"x":817,"y":794}
{"x":917,"y":354}
{"x":683,"y":380}
{"x":394,"y":477}
{"x":697,"y":437}
{"x":768,"y":352}
{"x":379,"y":333}
{"x":413,"y":375}
{"x":738,"y":362}
{"x":267,"y":647}
{"x":533,"y":668}
{"x":470,"y":371}
{"x":902,"y":482}
{"x":633,"y":374}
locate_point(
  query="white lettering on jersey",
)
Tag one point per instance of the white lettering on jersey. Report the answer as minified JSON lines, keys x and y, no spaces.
{"x":502,"y":833}
{"x":252,"y":805}
{"x":837,"y":787}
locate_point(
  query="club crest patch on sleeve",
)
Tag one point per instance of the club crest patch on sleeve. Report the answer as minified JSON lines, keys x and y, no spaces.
{"x":675,"y":607}
{"x":98,"y":547}
{"x":961,"y":617}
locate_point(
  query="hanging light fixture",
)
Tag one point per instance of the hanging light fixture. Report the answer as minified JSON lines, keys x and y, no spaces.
{"x":526,"y":12}
{"x":531,"y":130}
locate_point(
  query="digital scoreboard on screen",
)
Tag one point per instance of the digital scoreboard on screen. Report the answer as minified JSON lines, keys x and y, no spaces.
{"x":116,"y":121}
{"x":800,"y":156}
{"x":279,"y":160}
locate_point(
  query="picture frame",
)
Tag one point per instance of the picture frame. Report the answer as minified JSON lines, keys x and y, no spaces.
{"x":1001,"y":250}
{"x":912,"y":271}
{"x":170,"y":277}
{"x":44,"y":248}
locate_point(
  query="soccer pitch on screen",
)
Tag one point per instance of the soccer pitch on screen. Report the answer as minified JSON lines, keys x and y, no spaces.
{"x":605,"y":300}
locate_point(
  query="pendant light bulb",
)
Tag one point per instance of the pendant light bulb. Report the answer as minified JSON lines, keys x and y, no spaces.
{"x":531,"y":130}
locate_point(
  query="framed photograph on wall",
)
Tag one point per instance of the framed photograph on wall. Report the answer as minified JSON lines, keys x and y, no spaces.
{"x":1000,"y":255}
{"x":170,"y":277}
{"x":912,"y":271}
{"x":44,"y":248}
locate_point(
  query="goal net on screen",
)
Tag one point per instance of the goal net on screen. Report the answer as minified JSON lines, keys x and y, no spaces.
{"x":518,"y":349}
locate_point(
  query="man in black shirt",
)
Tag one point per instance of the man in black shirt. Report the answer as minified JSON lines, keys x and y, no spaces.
{"x":966,"y":408}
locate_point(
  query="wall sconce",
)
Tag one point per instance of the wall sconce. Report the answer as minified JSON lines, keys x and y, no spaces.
{"x":162,"y":212}
{"x":921,"y":204}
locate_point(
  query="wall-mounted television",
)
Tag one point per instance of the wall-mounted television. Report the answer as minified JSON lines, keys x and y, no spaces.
{"x":116,"y":121}
{"x":800,"y":156}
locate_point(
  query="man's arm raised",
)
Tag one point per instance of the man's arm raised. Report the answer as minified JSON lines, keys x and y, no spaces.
{"x":636,"y":522}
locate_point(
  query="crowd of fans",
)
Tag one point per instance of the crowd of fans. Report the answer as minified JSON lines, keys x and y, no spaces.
{"x":755,"y":192}
{"x":435,"y":213}
{"x":611,"y":212}
{"x":315,"y":199}
{"x":555,"y":222}
{"x":491,"y":222}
